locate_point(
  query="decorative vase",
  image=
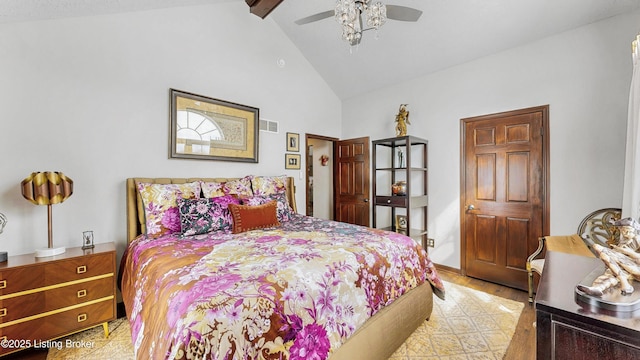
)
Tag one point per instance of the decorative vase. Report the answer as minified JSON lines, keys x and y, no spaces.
{"x":399,"y":188}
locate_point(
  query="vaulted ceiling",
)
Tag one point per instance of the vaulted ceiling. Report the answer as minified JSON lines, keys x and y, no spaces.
{"x":449,"y":32}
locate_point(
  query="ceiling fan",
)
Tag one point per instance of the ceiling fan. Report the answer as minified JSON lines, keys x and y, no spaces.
{"x":349,"y":14}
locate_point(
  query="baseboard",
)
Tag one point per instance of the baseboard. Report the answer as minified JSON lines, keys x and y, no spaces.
{"x":448,"y":269}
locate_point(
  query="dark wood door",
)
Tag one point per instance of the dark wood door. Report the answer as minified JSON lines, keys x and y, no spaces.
{"x":351,"y":171}
{"x":504,"y":193}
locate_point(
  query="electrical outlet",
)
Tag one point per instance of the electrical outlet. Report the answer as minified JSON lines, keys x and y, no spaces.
{"x":431,"y":242}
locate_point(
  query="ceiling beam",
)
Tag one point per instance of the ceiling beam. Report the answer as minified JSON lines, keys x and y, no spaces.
{"x":262,"y":8}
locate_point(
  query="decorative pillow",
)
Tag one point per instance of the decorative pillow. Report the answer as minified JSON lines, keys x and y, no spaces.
{"x":246,"y":218}
{"x":284,"y":212}
{"x":201,"y":216}
{"x":240,"y":187}
{"x":161,"y":207}
{"x":268,"y":185}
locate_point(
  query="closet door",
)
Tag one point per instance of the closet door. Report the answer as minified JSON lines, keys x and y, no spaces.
{"x":504,"y":207}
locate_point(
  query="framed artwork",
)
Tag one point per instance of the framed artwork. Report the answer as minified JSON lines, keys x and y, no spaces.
{"x":87,"y":240}
{"x":211,"y":129}
{"x":293,"y":142}
{"x":292,"y":161}
{"x":401,"y":224}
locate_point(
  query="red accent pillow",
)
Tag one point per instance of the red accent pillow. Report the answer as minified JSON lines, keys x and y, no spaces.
{"x":246,"y":218}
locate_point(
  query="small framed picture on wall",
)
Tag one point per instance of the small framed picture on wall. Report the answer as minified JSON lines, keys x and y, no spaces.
{"x":292,"y":161}
{"x":293,"y":142}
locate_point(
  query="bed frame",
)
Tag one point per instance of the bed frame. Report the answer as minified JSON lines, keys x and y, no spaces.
{"x":377,"y":339}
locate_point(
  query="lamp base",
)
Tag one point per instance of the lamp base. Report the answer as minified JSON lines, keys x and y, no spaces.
{"x":50,"y":251}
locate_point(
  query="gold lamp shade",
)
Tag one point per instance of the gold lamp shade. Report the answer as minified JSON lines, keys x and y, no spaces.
{"x":47,"y":188}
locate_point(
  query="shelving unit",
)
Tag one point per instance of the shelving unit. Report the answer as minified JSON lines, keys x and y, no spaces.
{"x":387,"y":170}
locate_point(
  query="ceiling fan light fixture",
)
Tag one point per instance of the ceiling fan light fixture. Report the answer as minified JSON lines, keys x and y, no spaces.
{"x":349,"y":14}
{"x":353,"y":15}
{"x":352,"y":33}
{"x":346,"y":12}
{"x":376,"y":15}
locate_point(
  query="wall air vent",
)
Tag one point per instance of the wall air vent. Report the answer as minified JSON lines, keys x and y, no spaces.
{"x":269,"y":126}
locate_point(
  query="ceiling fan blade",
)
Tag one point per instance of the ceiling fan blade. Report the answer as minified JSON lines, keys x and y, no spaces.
{"x":315,"y":17}
{"x":403,"y":13}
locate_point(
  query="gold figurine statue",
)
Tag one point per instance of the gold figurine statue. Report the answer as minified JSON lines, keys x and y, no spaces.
{"x":402,"y":120}
{"x":622,"y":261}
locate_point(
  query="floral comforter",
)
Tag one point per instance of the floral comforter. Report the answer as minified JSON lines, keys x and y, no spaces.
{"x":297,"y":291}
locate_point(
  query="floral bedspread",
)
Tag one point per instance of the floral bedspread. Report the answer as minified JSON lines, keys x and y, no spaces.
{"x":297,"y":291}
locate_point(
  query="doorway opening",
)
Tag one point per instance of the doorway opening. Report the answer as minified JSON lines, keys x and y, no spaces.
{"x":319,"y":176}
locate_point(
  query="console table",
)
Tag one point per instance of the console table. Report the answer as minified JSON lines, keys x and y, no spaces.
{"x":566,"y":329}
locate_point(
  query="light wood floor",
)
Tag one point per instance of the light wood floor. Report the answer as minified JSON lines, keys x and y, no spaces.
{"x":523,"y":344}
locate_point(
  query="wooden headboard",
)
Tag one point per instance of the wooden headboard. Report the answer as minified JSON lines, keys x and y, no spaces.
{"x":135,"y":216}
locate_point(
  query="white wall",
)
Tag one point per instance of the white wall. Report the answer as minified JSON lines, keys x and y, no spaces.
{"x":584,"y":76}
{"x":90,"y":97}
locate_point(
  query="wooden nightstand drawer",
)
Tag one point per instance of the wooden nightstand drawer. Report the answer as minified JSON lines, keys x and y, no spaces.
{"x":56,"y":325}
{"x":79,"y":268}
{"x":80,"y":293}
{"x":20,"y":279}
{"x":47,"y":274}
{"x":391,"y":200}
{"x":47,"y":300}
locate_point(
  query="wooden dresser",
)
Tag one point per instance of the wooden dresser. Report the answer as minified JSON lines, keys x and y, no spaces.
{"x":46,"y":298}
{"x":566,"y":329}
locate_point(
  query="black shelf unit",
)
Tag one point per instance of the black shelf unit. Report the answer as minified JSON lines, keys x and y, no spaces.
{"x":413,"y":170}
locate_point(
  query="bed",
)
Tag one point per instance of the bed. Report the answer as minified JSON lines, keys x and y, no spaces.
{"x":298,"y":293}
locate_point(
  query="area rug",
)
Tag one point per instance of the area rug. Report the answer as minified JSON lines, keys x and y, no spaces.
{"x":469,"y":324}
{"x":92,"y":344}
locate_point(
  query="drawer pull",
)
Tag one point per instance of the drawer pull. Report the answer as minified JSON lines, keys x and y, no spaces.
{"x":82,"y":293}
{"x":3,"y":312}
{"x":81,"y":269}
{"x":82,"y":317}
{"x":3,"y":284}
{"x":388,"y":201}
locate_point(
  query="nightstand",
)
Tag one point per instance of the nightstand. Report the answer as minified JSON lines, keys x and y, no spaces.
{"x":43,"y":299}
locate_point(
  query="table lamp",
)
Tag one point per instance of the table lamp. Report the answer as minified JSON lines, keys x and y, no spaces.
{"x":47,"y":188}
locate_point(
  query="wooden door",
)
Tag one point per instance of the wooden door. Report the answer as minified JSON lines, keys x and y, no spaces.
{"x":352,"y":181}
{"x":504,"y":195}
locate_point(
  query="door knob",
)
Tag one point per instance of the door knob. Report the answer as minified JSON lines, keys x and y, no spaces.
{"x":471,"y":207}
{"x":366,"y":200}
